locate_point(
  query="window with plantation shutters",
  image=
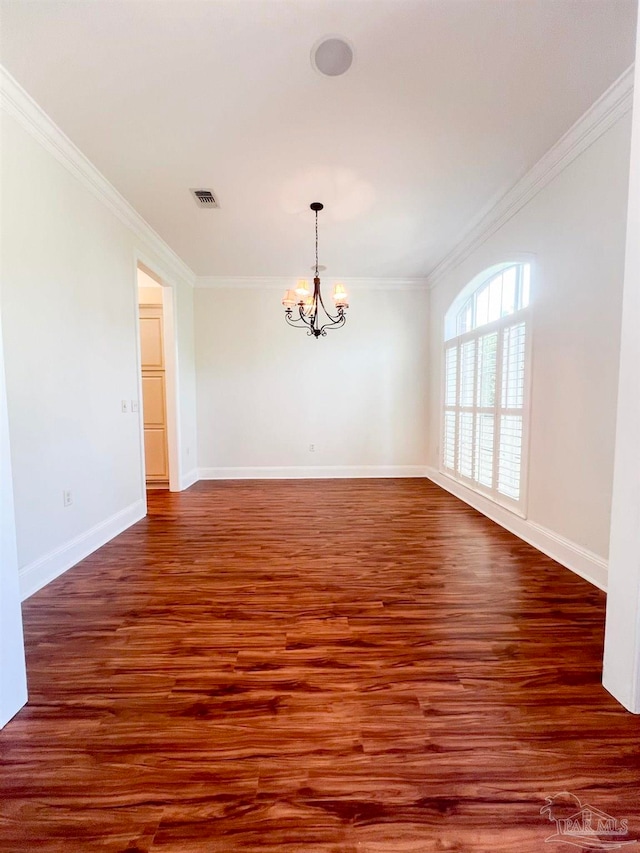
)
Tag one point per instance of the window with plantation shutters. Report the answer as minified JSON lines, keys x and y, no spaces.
{"x":485,"y":367}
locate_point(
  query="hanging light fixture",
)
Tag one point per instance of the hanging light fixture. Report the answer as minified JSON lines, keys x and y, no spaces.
{"x":308,"y":315}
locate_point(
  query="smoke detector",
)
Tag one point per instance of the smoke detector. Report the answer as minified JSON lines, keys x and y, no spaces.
{"x":204,"y":198}
{"x":332,"y":56}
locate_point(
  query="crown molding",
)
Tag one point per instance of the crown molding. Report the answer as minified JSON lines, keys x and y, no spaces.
{"x":601,"y":115}
{"x":21,"y":106}
{"x":220,"y":282}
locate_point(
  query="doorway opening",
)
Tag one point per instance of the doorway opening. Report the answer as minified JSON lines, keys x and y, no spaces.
{"x":157,"y":366}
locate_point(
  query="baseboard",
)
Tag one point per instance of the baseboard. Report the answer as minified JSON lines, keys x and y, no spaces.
{"x":45,"y":569}
{"x":585,"y":563}
{"x":189,"y":479}
{"x":295,"y":472}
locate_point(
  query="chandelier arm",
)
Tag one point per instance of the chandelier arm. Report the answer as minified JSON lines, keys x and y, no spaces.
{"x":288,"y":316}
{"x":334,"y":324}
{"x":329,"y":315}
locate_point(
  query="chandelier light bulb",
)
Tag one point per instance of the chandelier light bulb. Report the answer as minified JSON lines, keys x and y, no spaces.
{"x":302,"y":288}
{"x":340,"y":296}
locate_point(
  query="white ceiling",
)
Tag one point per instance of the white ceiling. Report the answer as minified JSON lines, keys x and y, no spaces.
{"x":447,"y":104}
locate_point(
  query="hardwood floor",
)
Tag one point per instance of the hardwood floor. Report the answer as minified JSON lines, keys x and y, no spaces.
{"x":313,"y":666}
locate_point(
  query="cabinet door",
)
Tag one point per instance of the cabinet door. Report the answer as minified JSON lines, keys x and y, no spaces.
{"x":154,"y":406}
{"x":153,"y":399}
{"x":155,"y":454}
{"x":155,"y":432}
{"x":151,"y":338}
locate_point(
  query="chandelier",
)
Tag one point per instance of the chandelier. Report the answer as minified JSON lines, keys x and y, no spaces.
{"x":311,"y":313}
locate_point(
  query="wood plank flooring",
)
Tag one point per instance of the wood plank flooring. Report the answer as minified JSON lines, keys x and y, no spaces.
{"x":330,"y":666}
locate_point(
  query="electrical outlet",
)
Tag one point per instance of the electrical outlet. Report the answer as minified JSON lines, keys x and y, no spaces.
{"x":125,"y":407}
{"x":312,"y":448}
{"x":67,"y":497}
{"x":134,"y":406}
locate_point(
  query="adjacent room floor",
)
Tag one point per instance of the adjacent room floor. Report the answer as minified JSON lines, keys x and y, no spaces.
{"x":314,"y":666}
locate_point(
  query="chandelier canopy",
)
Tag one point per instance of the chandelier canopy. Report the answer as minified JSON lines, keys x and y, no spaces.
{"x":311,"y":313}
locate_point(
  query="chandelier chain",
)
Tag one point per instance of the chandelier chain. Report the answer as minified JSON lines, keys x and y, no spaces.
{"x":316,"y":243}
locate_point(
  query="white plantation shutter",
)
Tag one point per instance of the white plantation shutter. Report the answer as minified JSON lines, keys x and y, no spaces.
{"x":451,"y":399}
{"x":449,"y":439}
{"x":465,"y":444}
{"x":487,"y":351}
{"x":509,"y":456}
{"x":483,"y":472}
{"x":467,"y":373}
{"x":451,"y":376}
{"x":484,"y":387}
{"x":513,"y":367}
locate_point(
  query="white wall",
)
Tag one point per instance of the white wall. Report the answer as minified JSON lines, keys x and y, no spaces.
{"x":13,"y":682}
{"x":622,"y":638}
{"x":267,"y":391}
{"x":183,"y":313}
{"x":69,"y":304}
{"x":575,"y":227}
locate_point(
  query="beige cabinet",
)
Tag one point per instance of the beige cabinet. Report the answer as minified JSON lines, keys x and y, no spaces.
{"x":154,"y":396}
{"x":151,"y":337}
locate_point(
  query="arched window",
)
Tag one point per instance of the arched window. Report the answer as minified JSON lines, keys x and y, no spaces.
{"x":485,"y":381}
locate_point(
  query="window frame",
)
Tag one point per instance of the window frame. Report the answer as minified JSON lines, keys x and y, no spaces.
{"x":522,"y":315}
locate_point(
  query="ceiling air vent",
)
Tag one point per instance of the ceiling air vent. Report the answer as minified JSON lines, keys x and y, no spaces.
{"x":204,"y":198}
